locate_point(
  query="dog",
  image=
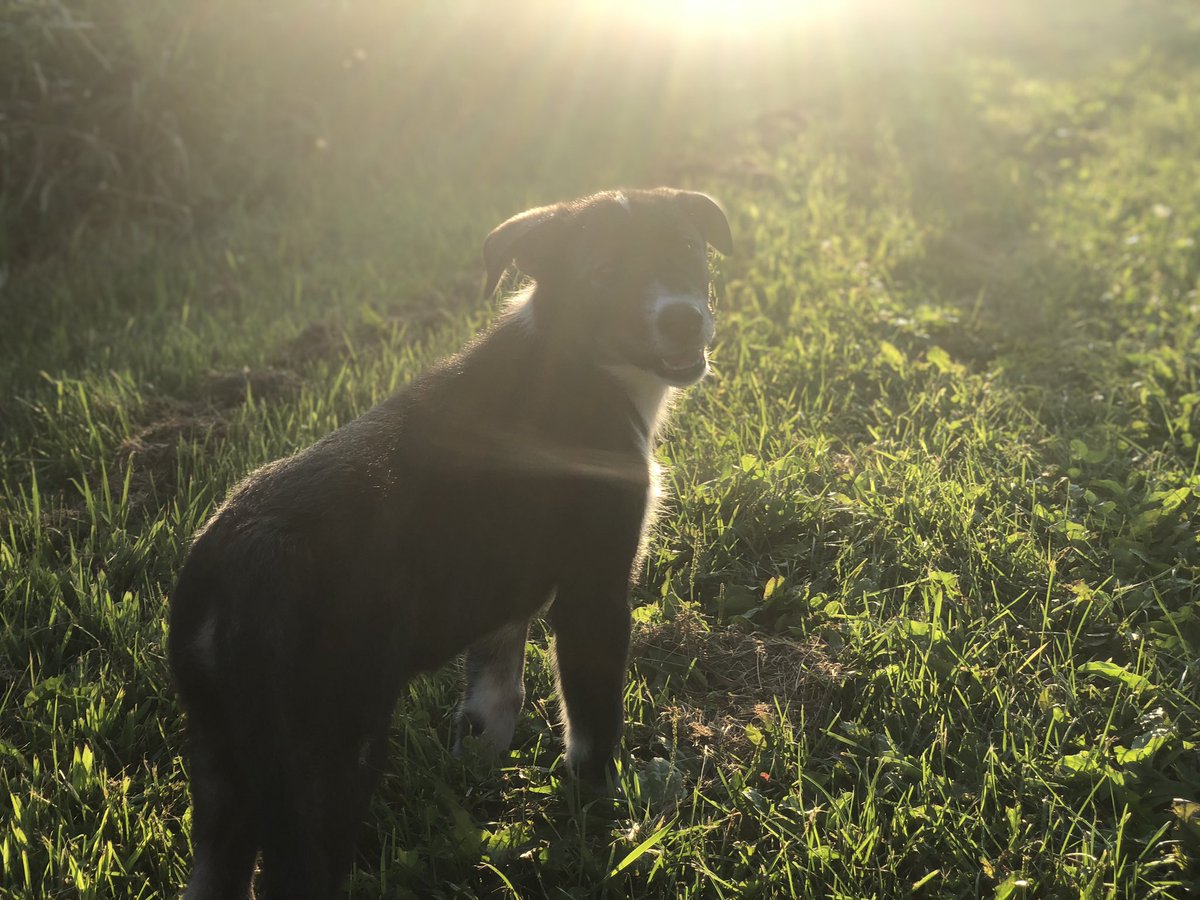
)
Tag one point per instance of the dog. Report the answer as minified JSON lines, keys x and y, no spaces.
{"x":512,"y":478}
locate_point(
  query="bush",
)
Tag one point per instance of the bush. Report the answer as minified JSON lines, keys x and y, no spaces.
{"x":149,"y":112}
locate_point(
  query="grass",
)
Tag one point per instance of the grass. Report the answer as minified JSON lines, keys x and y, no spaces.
{"x":920,"y":616}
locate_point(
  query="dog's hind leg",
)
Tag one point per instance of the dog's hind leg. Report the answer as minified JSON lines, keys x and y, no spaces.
{"x":495,"y":691}
{"x":315,"y":805}
{"x":222,"y":828}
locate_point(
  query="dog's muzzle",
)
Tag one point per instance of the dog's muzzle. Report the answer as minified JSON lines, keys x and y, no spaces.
{"x":682,"y":332}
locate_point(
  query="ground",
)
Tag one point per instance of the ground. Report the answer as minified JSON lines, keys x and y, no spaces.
{"x":919,"y":616}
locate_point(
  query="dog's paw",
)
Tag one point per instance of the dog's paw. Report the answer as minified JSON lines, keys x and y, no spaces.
{"x":598,"y":780}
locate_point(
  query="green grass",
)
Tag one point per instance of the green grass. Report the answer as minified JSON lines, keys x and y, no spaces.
{"x":920,"y":615}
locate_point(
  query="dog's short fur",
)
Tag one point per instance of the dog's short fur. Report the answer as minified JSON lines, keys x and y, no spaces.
{"x":512,"y":475}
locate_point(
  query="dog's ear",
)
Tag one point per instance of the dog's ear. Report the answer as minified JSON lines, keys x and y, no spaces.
{"x":709,"y":219}
{"x":523,"y":239}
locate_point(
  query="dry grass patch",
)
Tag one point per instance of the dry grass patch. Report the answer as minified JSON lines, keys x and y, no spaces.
{"x":725,"y":680}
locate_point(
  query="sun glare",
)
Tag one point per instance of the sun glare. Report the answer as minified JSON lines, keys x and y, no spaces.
{"x":722,"y":13}
{"x":715,"y":17}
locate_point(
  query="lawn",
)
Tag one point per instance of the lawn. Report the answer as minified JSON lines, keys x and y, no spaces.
{"x":919,"y":616}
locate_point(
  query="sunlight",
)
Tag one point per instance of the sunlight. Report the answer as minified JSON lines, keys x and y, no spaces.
{"x":705,"y":18}
{"x":715,"y":14}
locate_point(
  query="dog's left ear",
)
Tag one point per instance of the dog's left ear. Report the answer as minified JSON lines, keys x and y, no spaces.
{"x":708,"y":217}
{"x":523,"y":239}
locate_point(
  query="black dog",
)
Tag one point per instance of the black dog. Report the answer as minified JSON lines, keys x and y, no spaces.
{"x":514,"y":474}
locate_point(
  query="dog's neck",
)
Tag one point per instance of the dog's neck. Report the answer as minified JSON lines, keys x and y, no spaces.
{"x":648,"y":394}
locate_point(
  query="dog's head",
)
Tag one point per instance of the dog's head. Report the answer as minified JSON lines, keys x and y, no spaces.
{"x":622,"y":276}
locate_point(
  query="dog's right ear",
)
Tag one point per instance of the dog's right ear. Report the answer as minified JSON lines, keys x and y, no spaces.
{"x":523,"y":239}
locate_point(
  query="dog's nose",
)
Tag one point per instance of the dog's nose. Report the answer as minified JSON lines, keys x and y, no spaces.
{"x":682,"y":325}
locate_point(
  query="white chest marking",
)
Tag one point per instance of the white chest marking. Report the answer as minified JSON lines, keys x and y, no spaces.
{"x":649,"y":394}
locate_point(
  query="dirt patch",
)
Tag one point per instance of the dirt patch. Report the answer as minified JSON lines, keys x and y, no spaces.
{"x":329,"y":340}
{"x":421,"y":312}
{"x":153,"y":450}
{"x":726,"y":680}
{"x":319,"y":340}
{"x":226,"y":389}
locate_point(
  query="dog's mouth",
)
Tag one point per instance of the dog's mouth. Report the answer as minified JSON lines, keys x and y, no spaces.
{"x":682,"y":367}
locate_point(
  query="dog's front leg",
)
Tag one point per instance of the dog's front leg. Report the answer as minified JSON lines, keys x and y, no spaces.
{"x":591,"y":646}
